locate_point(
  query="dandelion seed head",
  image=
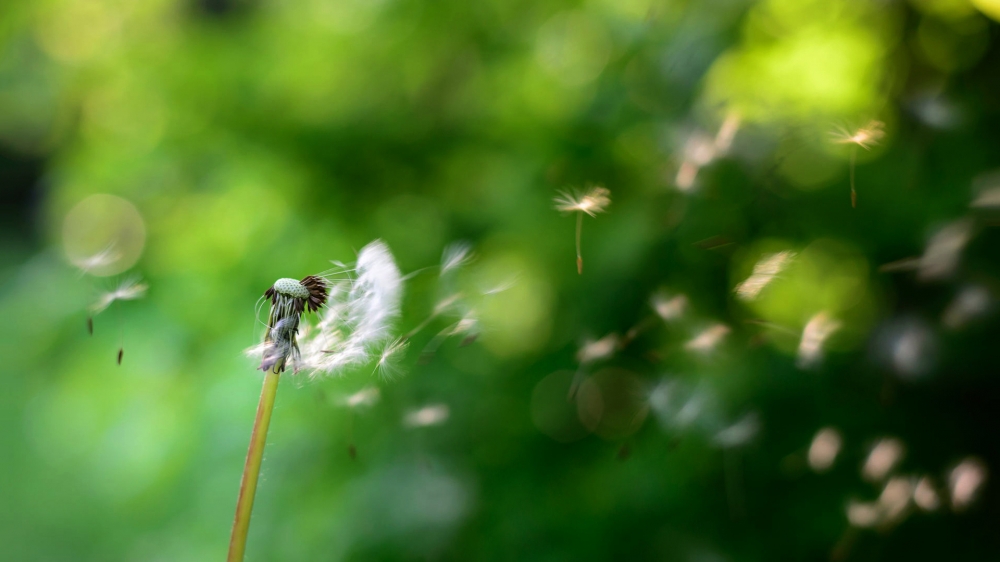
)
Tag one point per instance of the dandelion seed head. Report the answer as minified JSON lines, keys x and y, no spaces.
{"x":594,"y":201}
{"x":291,"y":288}
{"x":865,"y":137}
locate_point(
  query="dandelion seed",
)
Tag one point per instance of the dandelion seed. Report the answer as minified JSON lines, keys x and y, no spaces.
{"x":882,"y":459}
{"x":865,"y":137}
{"x":941,"y":257}
{"x":895,"y":498}
{"x":965,"y":481}
{"x":824,"y":449}
{"x":105,"y":257}
{"x":988,"y":198}
{"x":925,"y":495}
{"x":591,"y":203}
{"x":594,"y":350}
{"x":669,"y":308}
{"x":358,"y":315}
{"x":970,"y":303}
{"x":764,"y":271}
{"x":121,"y":354}
{"x":90,"y":325}
{"x":707,"y":339}
{"x":819,"y":328}
{"x":863,"y":514}
{"x":428,"y":416}
{"x":387,"y":364}
{"x":739,"y":433}
{"x":455,"y":256}
{"x":365,"y":397}
{"x":127,"y":290}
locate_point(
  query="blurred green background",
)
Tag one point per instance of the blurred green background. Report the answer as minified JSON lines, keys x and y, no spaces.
{"x":247,"y":140}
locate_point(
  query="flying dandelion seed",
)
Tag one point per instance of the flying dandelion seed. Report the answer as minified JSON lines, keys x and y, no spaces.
{"x":970,"y":303}
{"x":363,"y":398}
{"x":817,"y":330}
{"x":740,"y":433}
{"x":965,"y":482}
{"x":865,"y":137}
{"x":591,"y":203}
{"x":764,"y":271}
{"x":130,"y":289}
{"x":388,"y":360}
{"x":354,"y":324}
{"x":455,"y":256}
{"x":707,"y":339}
{"x":101,"y":259}
{"x":884,"y":457}
{"x":925,"y":495}
{"x":428,"y":416}
{"x":595,"y":350}
{"x":669,"y":308}
{"x":895,"y":499}
{"x":941,"y":257}
{"x":824,"y":449}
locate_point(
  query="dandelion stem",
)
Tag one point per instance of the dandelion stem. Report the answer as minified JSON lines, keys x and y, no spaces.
{"x":854,"y":194}
{"x":251,"y":470}
{"x":579,"y":256}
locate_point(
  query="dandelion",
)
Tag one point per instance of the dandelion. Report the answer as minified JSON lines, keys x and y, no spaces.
{"x":591,"y":203}
{"x":865,"y":137}
{"x":357,"y":314}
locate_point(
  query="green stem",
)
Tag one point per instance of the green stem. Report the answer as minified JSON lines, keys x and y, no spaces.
{"x":854,"y":194}
{"x":251,"y":470}
{"x":579,"y":256}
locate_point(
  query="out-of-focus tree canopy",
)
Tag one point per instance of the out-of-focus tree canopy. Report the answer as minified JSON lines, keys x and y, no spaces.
{"x":782,"y":344}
